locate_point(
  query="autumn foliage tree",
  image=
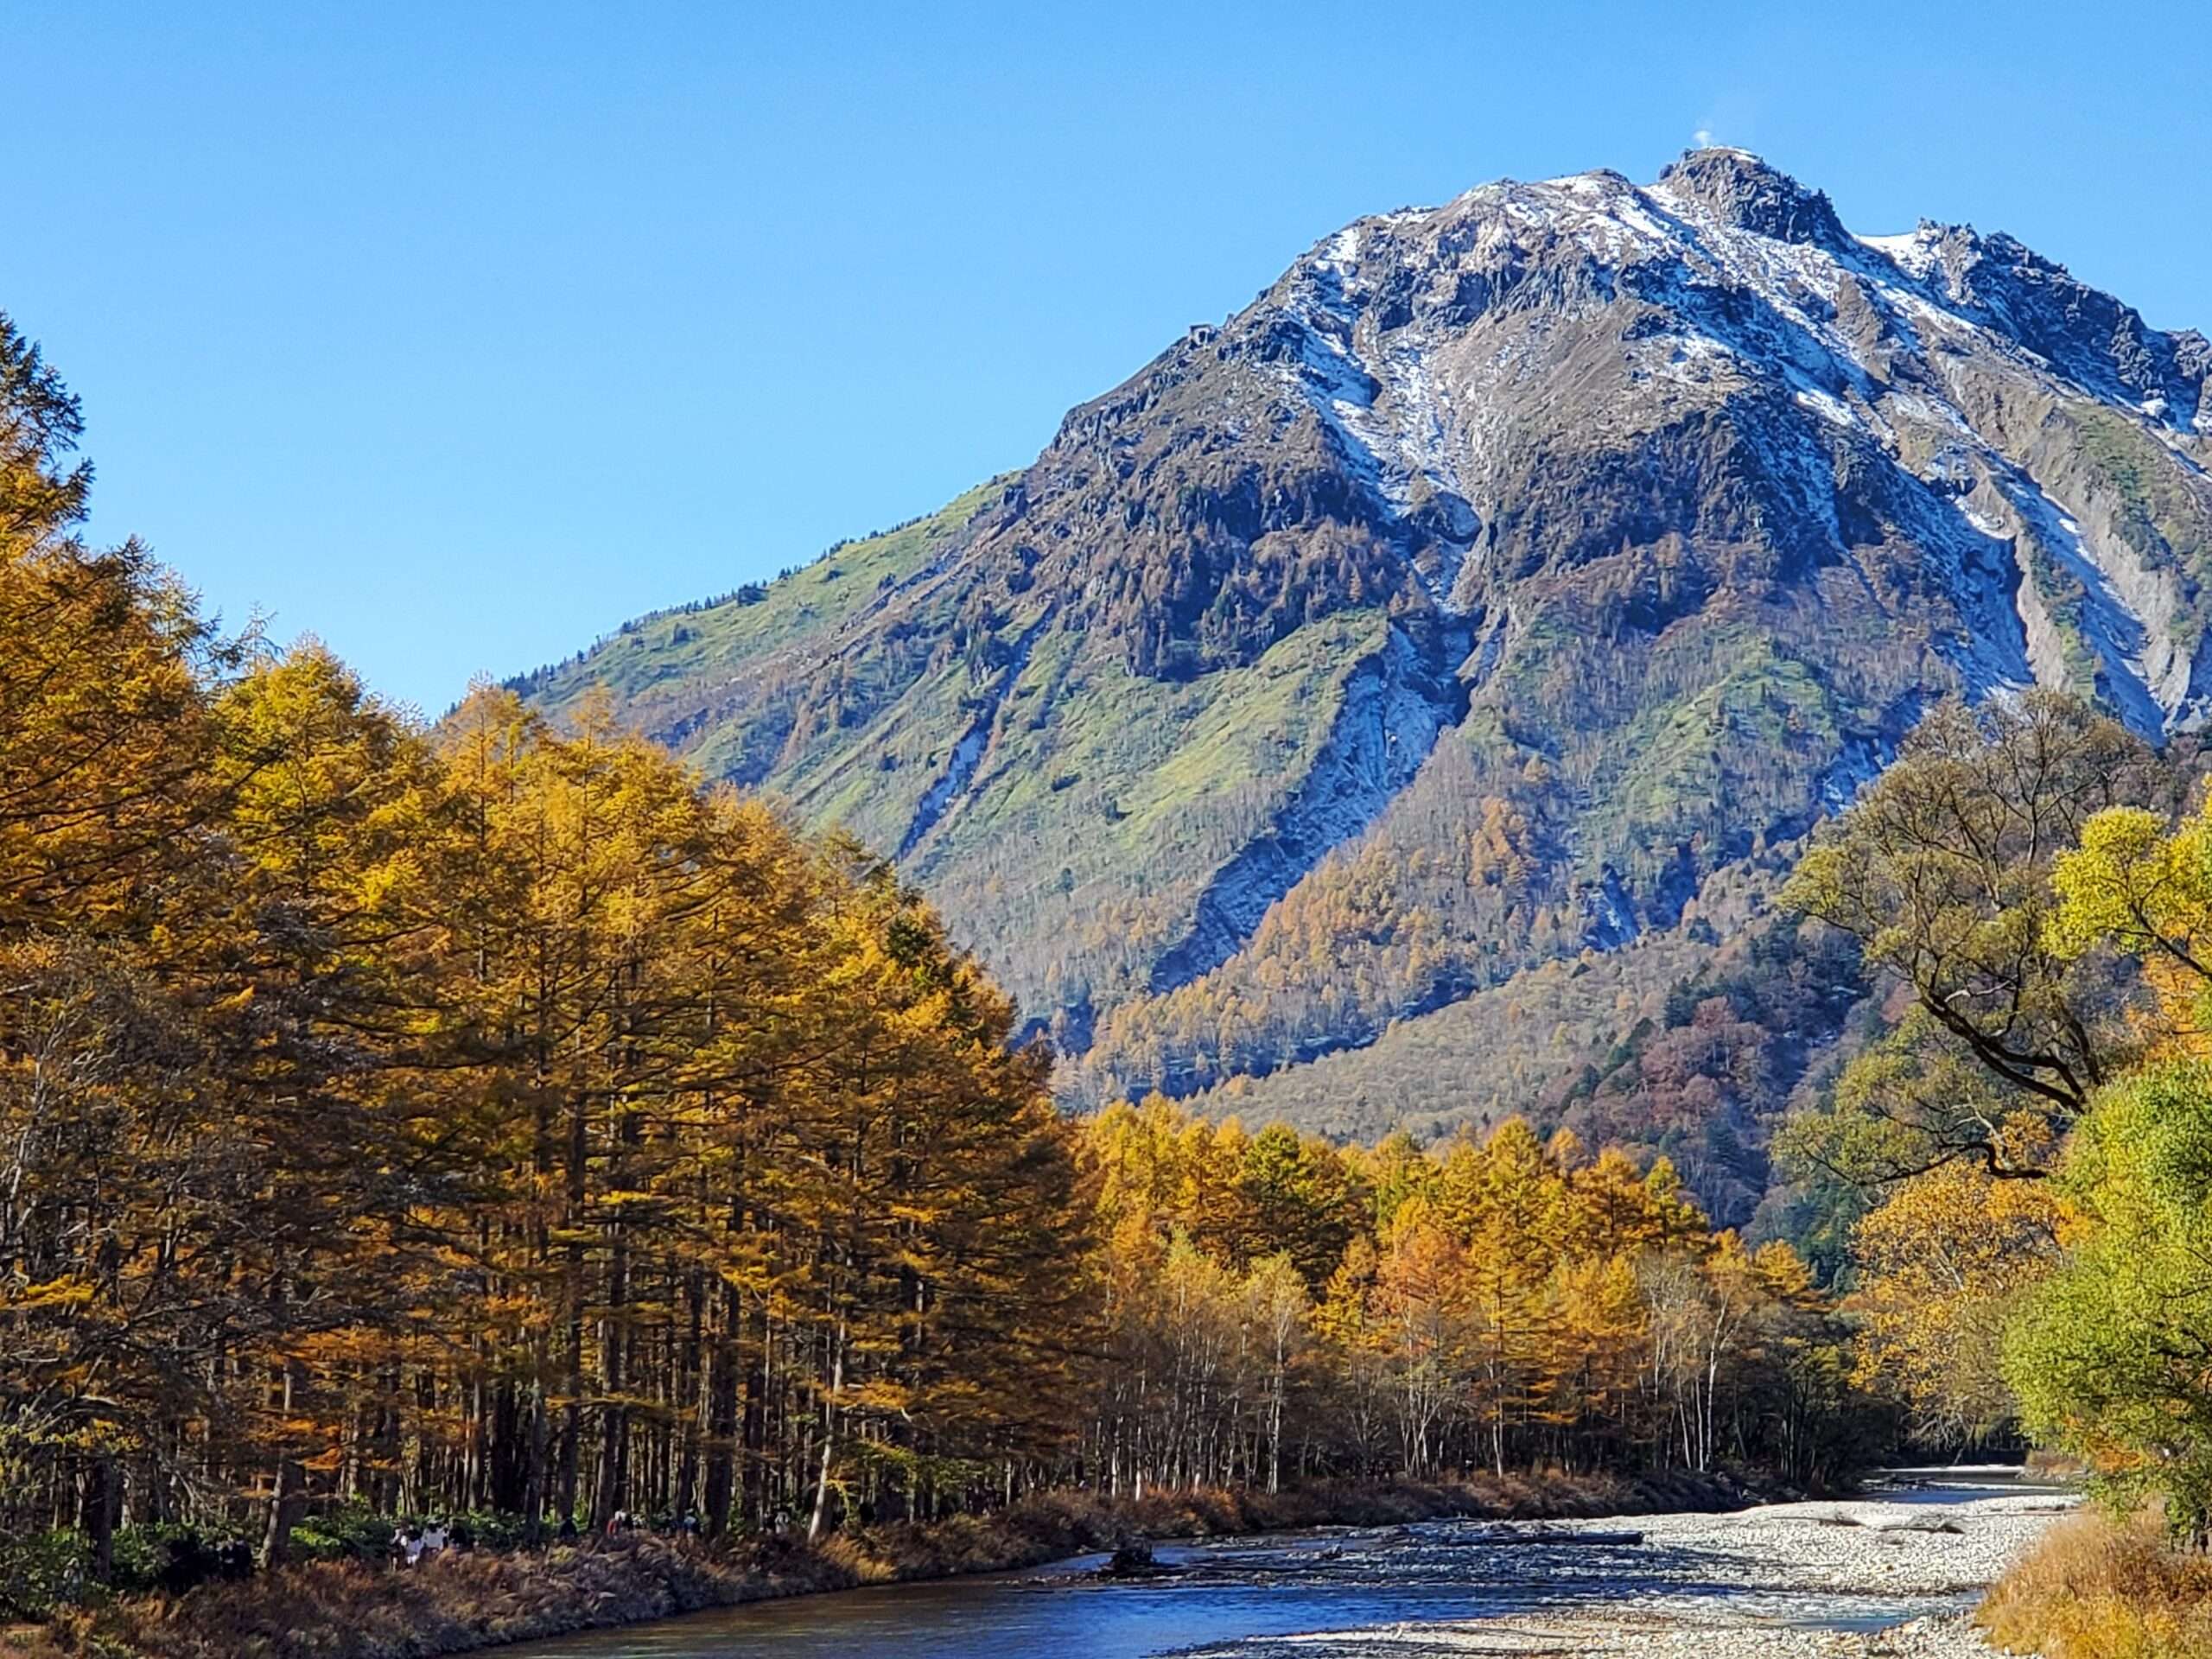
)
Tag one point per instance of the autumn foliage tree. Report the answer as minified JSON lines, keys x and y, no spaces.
{"x":2108,"y":1355}
{"x":1503,"y":1304}
{"x":484,"y":1118}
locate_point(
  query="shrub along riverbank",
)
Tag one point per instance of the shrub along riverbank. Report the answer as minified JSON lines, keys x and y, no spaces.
{"x":2098,"y":1588}
{"x":349,"y":1609}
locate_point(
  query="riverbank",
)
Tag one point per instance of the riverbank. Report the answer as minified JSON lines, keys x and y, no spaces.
{"x":485,"y":1599}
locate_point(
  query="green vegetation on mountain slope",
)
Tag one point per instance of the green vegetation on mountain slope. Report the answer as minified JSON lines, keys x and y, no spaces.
{"x":665,"y":668}
{"x":1687,"y":1043}
{"x":1094,"y":805}
{"x":1576,"y":781}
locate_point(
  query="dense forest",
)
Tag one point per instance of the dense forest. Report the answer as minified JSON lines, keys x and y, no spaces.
{"x":494,"y":1119}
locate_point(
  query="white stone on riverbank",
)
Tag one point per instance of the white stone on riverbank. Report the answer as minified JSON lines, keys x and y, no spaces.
{"x":1938,"y":1636}
{"x":1822,"y":1580}
{"x":1866,"y":1547}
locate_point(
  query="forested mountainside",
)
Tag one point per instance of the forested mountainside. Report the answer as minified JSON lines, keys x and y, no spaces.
{"x":1511,"y":582}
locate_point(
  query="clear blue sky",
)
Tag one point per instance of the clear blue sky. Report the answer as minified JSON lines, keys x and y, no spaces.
{"x":455,"y":334}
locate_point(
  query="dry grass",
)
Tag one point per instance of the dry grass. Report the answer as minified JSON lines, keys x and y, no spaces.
{"x":2096,"y":1588}
{"x":345,"y":1611}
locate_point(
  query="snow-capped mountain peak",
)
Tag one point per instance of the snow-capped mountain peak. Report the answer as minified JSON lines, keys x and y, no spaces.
{"x":1506,"y":574}
{"x":1726,"y":284}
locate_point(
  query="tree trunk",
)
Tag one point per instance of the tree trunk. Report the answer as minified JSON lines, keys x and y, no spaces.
{"x":721,"y":1415}
{"x":102,"y":1488}
{"x":829,"y":1435}
{"x":287,"y":1490}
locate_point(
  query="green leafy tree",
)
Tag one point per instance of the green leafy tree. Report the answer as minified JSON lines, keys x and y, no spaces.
{"x":2112,"y":1357}
{"x":1941,"y":871}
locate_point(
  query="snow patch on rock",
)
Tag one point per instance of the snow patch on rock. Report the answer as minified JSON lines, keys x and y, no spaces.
{"x":968,"y":749}
{"x":1385,"y":728}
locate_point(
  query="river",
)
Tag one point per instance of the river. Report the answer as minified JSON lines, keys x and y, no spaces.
{"x":1766,"y":1580}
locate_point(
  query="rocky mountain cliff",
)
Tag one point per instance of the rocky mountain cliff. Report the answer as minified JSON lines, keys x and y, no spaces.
{"x":1507,"y":582}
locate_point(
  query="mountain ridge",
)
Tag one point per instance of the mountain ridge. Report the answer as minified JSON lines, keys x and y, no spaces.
{"x":1505,"y":572}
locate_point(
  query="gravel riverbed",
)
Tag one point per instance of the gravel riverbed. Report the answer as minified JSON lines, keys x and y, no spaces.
{"x":1894,"y":1575}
